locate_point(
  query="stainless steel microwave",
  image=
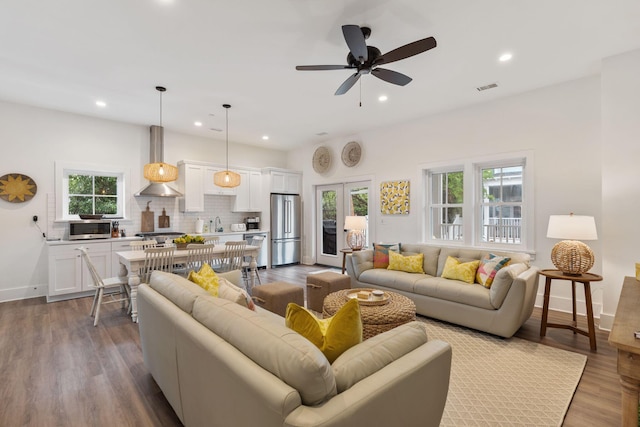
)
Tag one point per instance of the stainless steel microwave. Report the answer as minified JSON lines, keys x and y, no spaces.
{"x":89,"y":229}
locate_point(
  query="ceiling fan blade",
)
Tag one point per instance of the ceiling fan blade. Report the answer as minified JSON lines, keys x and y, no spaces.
{"x":355,"y":40}
{"x":344,"y":87}
{"x":407,"y":51}
{"x":322,"y":67}
{"x":391,"y":76}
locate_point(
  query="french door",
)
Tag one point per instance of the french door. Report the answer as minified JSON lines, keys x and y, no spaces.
{"x":333,"y":203}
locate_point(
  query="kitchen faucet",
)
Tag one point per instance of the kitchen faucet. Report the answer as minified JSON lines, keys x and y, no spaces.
{"x":218,"y":224}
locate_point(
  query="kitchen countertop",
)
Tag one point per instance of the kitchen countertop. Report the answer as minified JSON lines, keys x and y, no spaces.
{"x":76,"y":242}
{"x":130,"y":238}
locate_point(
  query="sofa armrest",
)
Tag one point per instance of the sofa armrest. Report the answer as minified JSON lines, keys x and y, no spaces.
{"x":411,"y":391}
{"x":359,"y":261}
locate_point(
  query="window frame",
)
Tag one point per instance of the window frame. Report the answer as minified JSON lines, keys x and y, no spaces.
{"x":64,"y":169}
{"x":472,"y":200}
{"x":429,"y":201}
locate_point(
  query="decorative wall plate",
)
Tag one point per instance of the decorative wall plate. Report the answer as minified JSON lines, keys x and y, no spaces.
{"x":321,"y":160}
{"x":17,"y":188}
{"x":351,"y":154}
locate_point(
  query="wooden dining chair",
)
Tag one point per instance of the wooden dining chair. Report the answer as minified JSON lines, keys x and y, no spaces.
{"x":199,"y":254}
{"x":157,"y":259}
{"x":117,"y":288}
{"x":246,"y":263}
{"x":233,"y":256}
{"x":211,"y":240}
{"x":140,"y":245}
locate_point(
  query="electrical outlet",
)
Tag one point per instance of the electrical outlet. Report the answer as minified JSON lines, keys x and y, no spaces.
{"x":35,"y":218}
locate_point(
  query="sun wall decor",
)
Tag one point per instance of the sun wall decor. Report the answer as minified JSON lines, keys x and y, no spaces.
{"x":394,"y":197}
{"x":17,"y":188}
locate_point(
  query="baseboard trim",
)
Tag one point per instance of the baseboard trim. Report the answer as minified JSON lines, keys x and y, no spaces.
{"x":564,"y":305}
{"x":27,"y":292}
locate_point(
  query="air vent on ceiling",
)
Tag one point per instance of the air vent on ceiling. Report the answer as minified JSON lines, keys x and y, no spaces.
{"x":322,"y":133}
{"x":489,"y":86}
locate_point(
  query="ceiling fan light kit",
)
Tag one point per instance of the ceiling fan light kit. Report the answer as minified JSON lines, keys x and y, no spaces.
{"x":367,"y":59}
{"x":226,"y":178}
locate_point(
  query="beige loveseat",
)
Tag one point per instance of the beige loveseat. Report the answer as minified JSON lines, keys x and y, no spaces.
{"x":500,"y":310}
{"x":220,"y":364}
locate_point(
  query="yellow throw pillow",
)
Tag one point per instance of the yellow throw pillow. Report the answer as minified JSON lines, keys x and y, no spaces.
{"x":334,"y":335}
{"x":408,"y":263}
{"x":206,"y":278}
{"x":464,"y":271}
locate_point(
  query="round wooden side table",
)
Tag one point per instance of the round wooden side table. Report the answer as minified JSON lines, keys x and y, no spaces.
{"x":585,"y":279}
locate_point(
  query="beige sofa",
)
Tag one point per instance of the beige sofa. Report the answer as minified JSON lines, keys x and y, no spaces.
{"x":221,"y":364}
{"x":500,"y":310}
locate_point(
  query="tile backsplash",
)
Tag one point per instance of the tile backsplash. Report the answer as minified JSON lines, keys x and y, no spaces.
{"x":179,"y":221}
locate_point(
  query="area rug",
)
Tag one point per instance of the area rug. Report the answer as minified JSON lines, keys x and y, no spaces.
{"x":505,"y":382}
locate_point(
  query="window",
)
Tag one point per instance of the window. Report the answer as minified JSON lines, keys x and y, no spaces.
{"x":447,"y":196}
{"x":483,"y":202}
{"x":89,"y":190}
{"x":501,"y":205}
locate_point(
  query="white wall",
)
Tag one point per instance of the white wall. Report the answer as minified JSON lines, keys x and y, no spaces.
{"x":620,"y":174}
{"x":560,"y":124}
{"x":32,"y":139}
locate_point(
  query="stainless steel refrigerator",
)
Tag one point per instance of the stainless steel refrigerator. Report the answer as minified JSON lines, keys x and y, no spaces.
{"x":285,"y":229}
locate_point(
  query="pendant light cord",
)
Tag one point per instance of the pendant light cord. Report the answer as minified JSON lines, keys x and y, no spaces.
{"x":227,"y":106}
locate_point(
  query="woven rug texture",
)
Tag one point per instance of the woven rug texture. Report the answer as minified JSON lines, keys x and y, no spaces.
{"x":505,"y":382}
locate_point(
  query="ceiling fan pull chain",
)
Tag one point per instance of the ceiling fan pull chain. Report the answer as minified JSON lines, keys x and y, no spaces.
{"x":360,"y":93}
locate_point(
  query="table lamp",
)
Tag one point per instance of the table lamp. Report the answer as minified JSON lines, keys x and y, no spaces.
{"x":571,"y":256}
{"x":355,"y":235}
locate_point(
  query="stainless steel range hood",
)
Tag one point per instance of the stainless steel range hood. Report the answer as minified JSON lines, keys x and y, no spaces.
{"x":156,"y":154}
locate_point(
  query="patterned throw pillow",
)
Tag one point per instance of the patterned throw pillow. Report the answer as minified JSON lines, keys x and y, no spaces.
{"x":381,"y":254}
{"x":334,"y":335}
{"x":488,"y":269}
{"x":464,"y":271}
{"x":206,"y":278}
{"x":408,"y":263}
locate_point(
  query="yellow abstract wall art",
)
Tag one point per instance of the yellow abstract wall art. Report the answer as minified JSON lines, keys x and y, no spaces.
{"x":394,"y":198}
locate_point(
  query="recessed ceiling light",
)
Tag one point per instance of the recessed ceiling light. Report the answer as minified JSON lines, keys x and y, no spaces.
{"x":265,"y":137}
{"x":197,"y":124}
{"x":505,"y":57}
{"x":101,"y":104}
{"x":382,"y":98}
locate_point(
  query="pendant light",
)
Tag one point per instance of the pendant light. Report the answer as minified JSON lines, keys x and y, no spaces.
{"x":226,"y":178}
{"x":158,"y":170}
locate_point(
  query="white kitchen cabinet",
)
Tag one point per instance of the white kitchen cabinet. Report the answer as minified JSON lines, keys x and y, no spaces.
{"x":191,"y":184}
{"x":248,"y":193}
{"x":210,"y":187}
{"x":285,"y":182}
{"x":68,"y":274}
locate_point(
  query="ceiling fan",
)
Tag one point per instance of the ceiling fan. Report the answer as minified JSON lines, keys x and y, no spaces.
{"x":366,"y":59}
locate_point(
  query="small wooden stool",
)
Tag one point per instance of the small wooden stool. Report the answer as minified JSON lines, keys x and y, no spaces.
{"x":275,"y":296}
{"x":322,"y":284}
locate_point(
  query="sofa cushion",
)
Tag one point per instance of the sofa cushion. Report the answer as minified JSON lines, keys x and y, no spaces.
{"x":333,"y":335}
{"x":217,"y":286}
{"x":362,"y":261}
{"x":381,"y":253}
{"x":431,"y":253}
{"x":276,"y":348}
{"x":406,"y":263}
{"x":489,"y":267}
{"x":391,"y":279}
{"x":458,"y":270}
{"x":377,"y":352}
{"x":456,"y":291}
{"x":502,"y":282}
{"x":462,"y":254}
{"x":178,"y":290}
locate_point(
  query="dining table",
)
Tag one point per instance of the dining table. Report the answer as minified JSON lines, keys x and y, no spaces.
{"x":131,"y":262}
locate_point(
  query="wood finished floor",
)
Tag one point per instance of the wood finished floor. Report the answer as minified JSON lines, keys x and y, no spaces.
{"x":56,"y":369}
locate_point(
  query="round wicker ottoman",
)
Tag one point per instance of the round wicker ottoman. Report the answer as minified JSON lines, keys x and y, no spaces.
{"x":376,"y":319}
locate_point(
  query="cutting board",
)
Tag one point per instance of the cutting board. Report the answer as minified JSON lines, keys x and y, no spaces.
{"x":147,"y":220}
{"x":163,"y":220}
